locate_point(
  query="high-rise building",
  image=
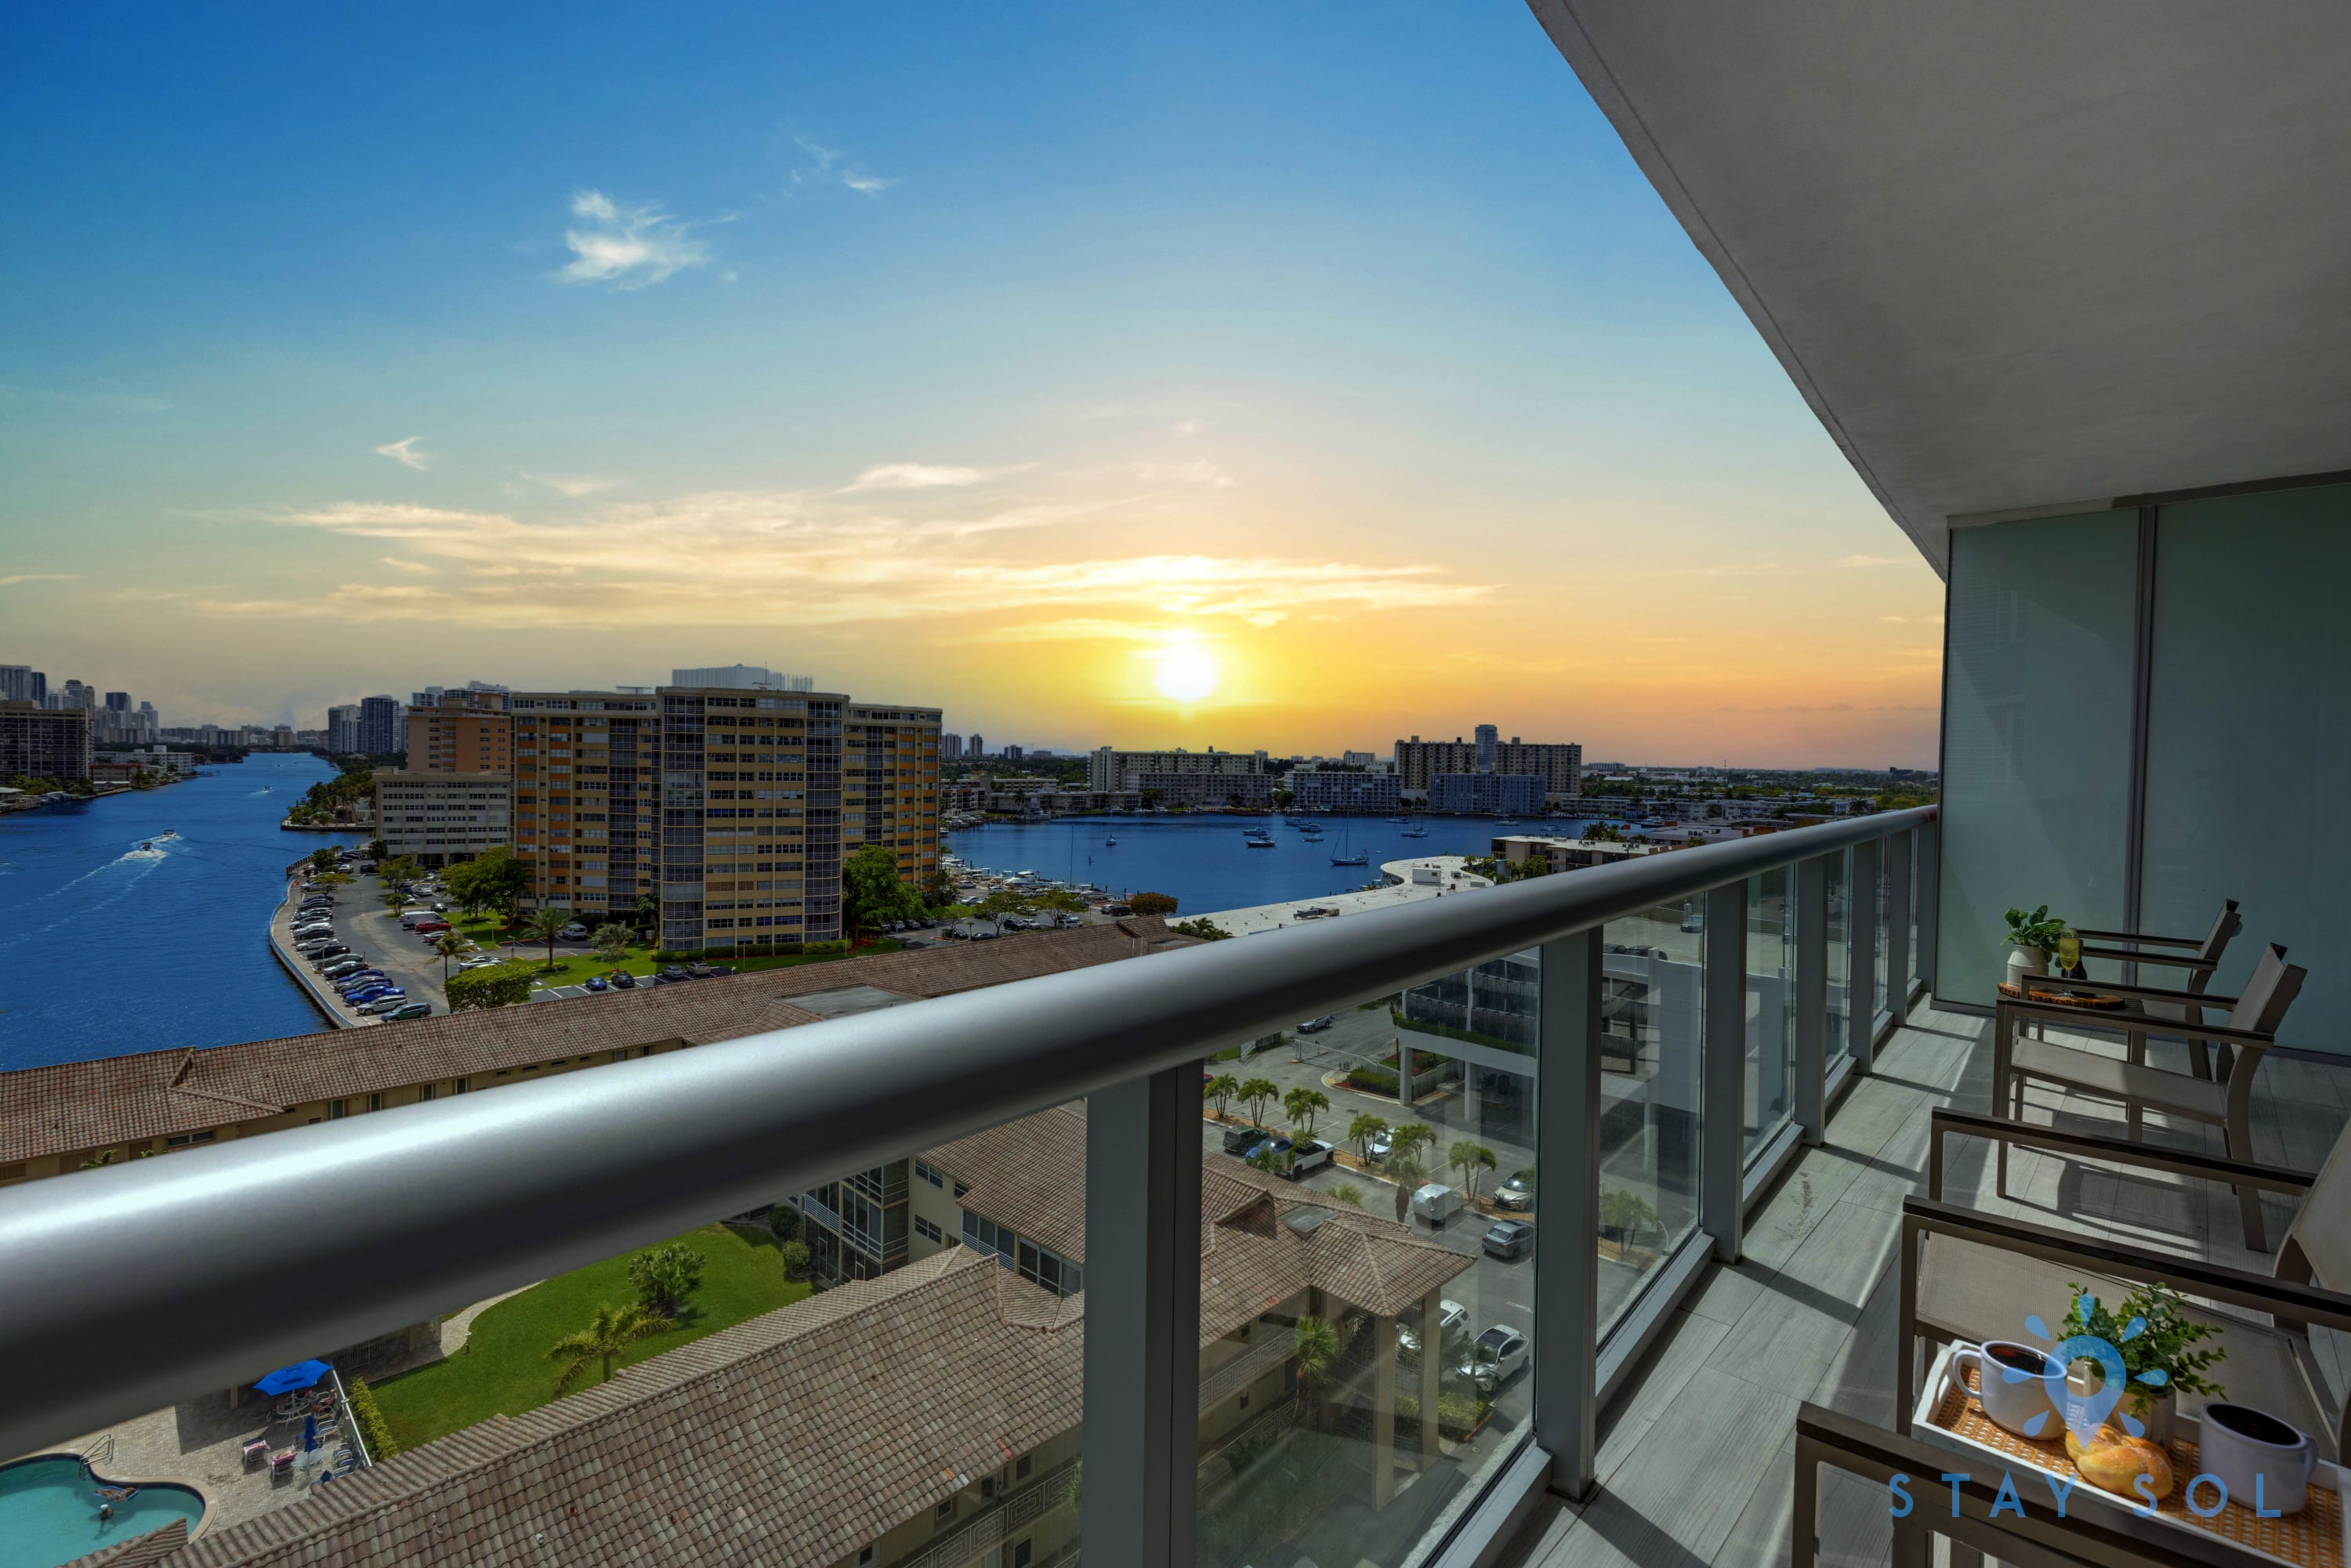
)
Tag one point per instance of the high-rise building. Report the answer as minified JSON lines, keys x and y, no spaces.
{"x":950,"y":748}
{"x":343,"y":727}
{"x":466,"y":731}
{"x":44,"y":743}
{"x":38,"y":691}
{"x":1502,"y":793}
{"x":16,"y":682}
{"x":587,"y":805}
{"x":380,"y":724}
{"x":1111,"y":770}
{"x":978,"y":748}
{"x":741,"y":678}
{"x":441,"y":818}
{"x":431,"y":696}
{"x":1014,"y":754}
{"x":1487,"y":738}
{"x":1558,"y":766}
{"x":1357,"y":759}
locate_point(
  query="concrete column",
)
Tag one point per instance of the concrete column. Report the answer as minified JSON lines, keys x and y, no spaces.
{"x":1404,"y":1073}
{"x":1432,"y":1376}
{"x":1384,"y":1390}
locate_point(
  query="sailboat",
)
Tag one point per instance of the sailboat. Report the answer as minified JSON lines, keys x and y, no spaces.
{"x":1361,"y":857}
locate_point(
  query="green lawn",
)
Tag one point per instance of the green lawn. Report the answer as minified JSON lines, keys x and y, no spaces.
{"x":504,"y":1367}
{"x":571,"y":969}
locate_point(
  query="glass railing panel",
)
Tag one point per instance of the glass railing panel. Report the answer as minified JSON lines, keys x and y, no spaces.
{"x":1839,"y":954}
{"x":1653,"y":967}
{"x":1881,"y":949}
{"x":1367,"y":1274}
{"x":1771,"y":990}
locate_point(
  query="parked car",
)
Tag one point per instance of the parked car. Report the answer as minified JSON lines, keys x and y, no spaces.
{"x":624,"y":980}
{"x":1452,"y":1317}
{"x":1437,"y":1203}
{"x":1239,"y":1140}
{"x":1497,"y":1355}
{"x":674,"y":975}
{"x":330,"y":950}
{"x":363,"y":1000}
{"x":1381,"y":1142}
{"x":383,"y":1004}
{"x":699,"y":971}
{"x":598,"y":983}
{"x":406,"y":1011}
{"x":1517,"y":1192}
{"x":722,"y":969}
{"x":984,"y":935}
{"x":575,"y":932}
{"x":409,"y":917}
{"x":1307,"y":1155}
{"x":350,"y":983}
{"x":1509,"y":1239}
{"x":1315,"y":1025}
{"x":432,"y":926}
{"x":1115,"y":910}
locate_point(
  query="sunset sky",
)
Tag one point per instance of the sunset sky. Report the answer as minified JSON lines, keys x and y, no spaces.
{"x":1032,"y":362}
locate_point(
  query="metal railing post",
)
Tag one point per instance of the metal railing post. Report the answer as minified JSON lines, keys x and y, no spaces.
{"x":1142,"y":1437}
{"x":1812,"y":917}
{"x":1928,"y":893}
{"x":1861,"y":955}
{"x":1722,"y":1070}
{"x":1567,"y":1254}
{"x":1897,"y":926}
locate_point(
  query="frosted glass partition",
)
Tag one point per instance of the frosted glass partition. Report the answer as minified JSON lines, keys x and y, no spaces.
{"x":2037,"y":720}
{"x":2248,"y":739}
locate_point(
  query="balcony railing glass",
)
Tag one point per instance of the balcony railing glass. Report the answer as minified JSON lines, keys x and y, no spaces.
{"x":1770,"y":994}
{"x":1653,"y":1108}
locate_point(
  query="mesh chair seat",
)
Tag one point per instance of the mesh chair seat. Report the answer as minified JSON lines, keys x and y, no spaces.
{"x":2155,"y":1088}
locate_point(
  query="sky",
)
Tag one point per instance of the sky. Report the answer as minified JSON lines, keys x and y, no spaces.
{"x":1296,"y":377}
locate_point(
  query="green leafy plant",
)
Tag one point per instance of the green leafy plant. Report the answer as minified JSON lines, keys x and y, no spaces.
{"x":666,"y":1278}
{"x":2154,"y":1332}
{"x":374,"y":1430}
{"x":1202,"y":927}
{"x":610,"y":1332}
{"x":2034,"y":930}
{"x":1256,"y":1093}
{"x":794,"y":1255}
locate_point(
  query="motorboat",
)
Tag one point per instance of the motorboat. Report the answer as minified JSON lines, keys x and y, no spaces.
{"x":1416,"y":833}
{"x":1258,"y":843}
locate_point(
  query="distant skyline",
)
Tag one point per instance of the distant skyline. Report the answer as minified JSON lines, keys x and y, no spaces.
{"x":1257,"y":376}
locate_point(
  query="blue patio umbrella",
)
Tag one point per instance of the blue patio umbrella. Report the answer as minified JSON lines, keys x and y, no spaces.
{"x":309,"y":1433}
{"x":286,"y":1379}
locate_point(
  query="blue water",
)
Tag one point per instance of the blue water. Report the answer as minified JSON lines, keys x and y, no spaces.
{"x":1202,"y":863}
{"x":106,"y":949}
{"x":48,"y":1512}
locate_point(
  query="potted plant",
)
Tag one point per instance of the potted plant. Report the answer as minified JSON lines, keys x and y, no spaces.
{"x":2155,"y":1337}
{"x":2032,"y":935}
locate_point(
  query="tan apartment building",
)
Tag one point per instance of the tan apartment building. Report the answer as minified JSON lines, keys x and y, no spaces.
{"x":1559,"y":765}
{"x":585,"y":817}
{"x":1110,"y":768}
{"x":43,"y":743}
{"x":438,"y":819}
{"x":464,"y":732}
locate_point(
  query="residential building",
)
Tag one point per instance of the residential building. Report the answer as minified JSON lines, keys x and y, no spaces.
{"x":950,"y":747}
{"x":1249,"y":792}
{"x":17,"y":684}
{"x":978,"y":748}
{"x":586,"y":804}
{"x":1110,"y":768}
{"x":381,"y":730}
{"x":1311,"y":789}
{"x":1567,"y":854}
{"x":461,"y":732}
{"x":1032,"y":798}
{"x":44,"y":743}
{"x":741,"y":678}
{"x":343,"y":728}
{"x":1502,"y":794}
{"x":440,"y":818}
{"x":432,"y":696}
{"x":1014,"y":753}
{"x":1357,"y":759}
{"x":1558,"y":766}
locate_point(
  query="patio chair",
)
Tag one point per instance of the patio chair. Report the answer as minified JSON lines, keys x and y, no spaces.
{"x":281,"y":1464}
{"x":2253,"y":1019}
{"x":2202,"y":958}
{"x":255,"y":1451}
{"x":1974,"y":1276}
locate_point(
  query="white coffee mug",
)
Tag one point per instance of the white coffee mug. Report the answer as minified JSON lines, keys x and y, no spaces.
{"x":2264,"y":1462}
{"x":2012,"y":1385}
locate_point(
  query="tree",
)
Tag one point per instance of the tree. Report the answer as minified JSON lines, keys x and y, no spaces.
{"x":1152,"y":904}
{"x":1301,"y":1105}
{"x":450,"y":944}
{"x":1347,"y":1192}
{"x":377,"y":849}
{"x":545,"y":926}
{"x":938,"y":888}
{"x":1362,"y":1130}
{"x":1058,"y":901}
{"x":1222,"y":1088}
{"x":611,"y":942}
{"x":871,"y":895}
{"x":1152,"y":798}
{"x":322,"y":859}
{"x":1404,"y":1169}
{"x":1409,"y":1138}
{"x":1255,"y":1092}
{"x":794,"y":1255}
{"x":1201,"y":927}
{"x":610,"y":1332}
{"x":666,"y":1277}
{"x":1470,"y":1159}
{"x":491,"y":986}
{"x":395,"y":902}
{"x":491,"y":879}
{"x":1268,"y":1159}
{"x":648,"y":910}
{"x":1282,"y":799}
{"x":1601,"y":833}
{"x":401,"y":868}
{"x":1316,"y":1345}
{"x":1001,"y":903}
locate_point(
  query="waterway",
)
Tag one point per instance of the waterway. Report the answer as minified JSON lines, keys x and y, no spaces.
{"x":115,"y":938}
{"x":1203,"y":862}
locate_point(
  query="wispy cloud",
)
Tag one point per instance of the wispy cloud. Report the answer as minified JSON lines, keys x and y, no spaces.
{"x":913,"y":476}
{"x":628,"y":247}
{"x":39,"y":577}
{"x":831,"y":166}
{"x":404,"y":453}
{"x":415,"y":566}
{"x":574,"y":486}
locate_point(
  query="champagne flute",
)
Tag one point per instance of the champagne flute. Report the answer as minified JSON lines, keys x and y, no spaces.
{"x":2069,"y":951}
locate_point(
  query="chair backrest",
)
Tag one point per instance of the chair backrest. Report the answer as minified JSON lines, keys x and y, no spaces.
{"x":2225,"y":924}
{"x":2274,"y":985}
{"x":2319,"y":1239}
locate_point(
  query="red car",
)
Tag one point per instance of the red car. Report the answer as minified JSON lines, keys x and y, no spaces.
{"x":428,"y":927}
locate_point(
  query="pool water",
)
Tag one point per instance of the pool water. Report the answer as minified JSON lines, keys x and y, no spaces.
{"x":48,"y":1512}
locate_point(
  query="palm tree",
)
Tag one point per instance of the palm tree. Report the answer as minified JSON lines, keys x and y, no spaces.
{"x":1404,"y":1169}
{"x":1301,"y":1105}
{"x":1255,"y":1093}
{"x":1222,"y":1088}
{"x":612,"y":1331}
{"x":450,"y":944}
{"x":1362,"y":1130}
{"x":395,"y":902}
{"x":547,"y":924}
{"x":1408,"y":1138}
{"x":1346,"y":1192}
{"x":612,"y":942}
{"x":1469,"y":1158}
{"x":1316,"y":1344}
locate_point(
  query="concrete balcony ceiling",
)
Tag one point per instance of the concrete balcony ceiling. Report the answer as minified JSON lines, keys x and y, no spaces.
{"x":2015,"y":256}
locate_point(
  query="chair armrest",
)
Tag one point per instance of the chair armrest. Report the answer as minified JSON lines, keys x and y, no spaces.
{"x":2192,"y":1276}
{"x":2125,"y":955}
{"x":2131,"y":1023}
{"x":2094,"y":1145}
{"x":2139,"y":936}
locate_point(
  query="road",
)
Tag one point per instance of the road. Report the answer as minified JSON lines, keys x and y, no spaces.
{"x":363,"y":924}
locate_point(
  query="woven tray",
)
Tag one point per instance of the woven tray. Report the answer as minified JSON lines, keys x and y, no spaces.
{"x":2313,"y":1538}
{"x":2066,"y":998}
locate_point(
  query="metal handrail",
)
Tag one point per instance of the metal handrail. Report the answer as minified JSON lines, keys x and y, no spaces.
{"x":127,"y":1287}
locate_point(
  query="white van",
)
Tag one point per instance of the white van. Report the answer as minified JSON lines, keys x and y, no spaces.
{"x":1437,"y":1203}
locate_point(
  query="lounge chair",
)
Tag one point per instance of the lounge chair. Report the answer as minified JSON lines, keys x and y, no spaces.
{"x":1973,"y":1276}
{"x":255,"y":1451}
{"x":281,"y":1464}
{"x":2202,"y":958}
{"x":2254,"y":1020}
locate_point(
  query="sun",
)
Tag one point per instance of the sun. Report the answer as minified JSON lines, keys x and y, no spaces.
{"x":1185,"y":674}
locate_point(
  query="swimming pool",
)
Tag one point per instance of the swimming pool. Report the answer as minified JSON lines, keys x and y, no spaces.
{"x":48,"y":1512}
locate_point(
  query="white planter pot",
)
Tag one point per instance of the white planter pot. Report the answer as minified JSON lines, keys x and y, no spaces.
{"x":2025,"y":963}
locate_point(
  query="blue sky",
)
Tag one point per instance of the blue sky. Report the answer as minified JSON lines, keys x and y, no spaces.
{"x":961,"y":354}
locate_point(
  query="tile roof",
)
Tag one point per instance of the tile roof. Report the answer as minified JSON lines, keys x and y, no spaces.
{"x":791,"y":1439}
{"x":78,"y":1106}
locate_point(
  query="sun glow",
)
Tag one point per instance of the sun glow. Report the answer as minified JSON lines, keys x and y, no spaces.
{"x":1185,"y":674}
